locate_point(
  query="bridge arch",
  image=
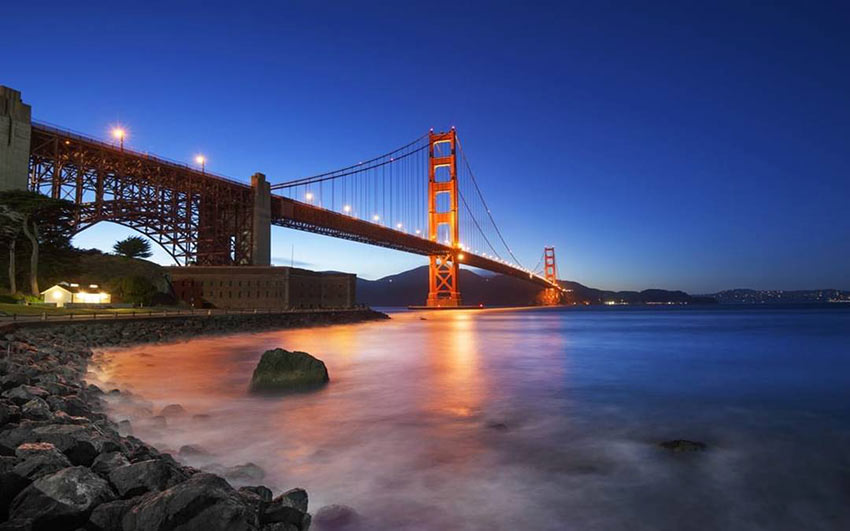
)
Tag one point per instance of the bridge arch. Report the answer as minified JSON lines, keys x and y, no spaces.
{"x":130,"y":229}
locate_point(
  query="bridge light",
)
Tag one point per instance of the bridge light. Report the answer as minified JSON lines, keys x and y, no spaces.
{"x":346,"y":209}
{"x":202,"y":160}
{"x":376,"y":218}
{"x":119,"y":134}
{"x":398,"y":226}
{"x":308,"y":196}
{"x":418,"y":231}
{"x":460,"y":256}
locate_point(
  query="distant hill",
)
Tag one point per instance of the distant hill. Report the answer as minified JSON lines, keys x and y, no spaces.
{"x":410,"y":288}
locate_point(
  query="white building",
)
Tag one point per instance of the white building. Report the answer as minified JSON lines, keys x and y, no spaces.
{"x":70,"y":293}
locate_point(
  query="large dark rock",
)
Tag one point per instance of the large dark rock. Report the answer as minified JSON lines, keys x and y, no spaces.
{"x":61,"y":500}
{"x":289,"y":508}
{"x":108,"y":516}
{"x":24,"y":393}
{"x":10,"y":484}
{"x":36,"y":409}
{"x":296,"y":498}
{"x":81,"y":443}
{"x":9,"y":412}
{"x":106,"y":462}
{"x":39,"y":460}
{"x":337,"y":517}
{"x":205,"y":502}
{"x":153,"y":475}
{"x":281,"y":370}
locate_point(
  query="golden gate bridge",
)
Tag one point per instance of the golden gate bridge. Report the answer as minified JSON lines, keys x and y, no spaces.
{"x":421,"y":198}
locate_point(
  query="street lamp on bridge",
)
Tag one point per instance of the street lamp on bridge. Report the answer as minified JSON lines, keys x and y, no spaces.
{"x":119,"y":133}
{"x":202,"y":160}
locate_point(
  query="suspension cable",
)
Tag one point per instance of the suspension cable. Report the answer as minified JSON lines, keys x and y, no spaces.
{"x":487,"y":208}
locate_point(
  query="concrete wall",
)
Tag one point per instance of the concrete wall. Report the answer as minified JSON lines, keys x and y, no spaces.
{"x":262,"y":287}
{"x":15,"y":130}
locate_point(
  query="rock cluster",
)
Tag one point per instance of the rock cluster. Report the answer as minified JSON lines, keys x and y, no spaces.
{"x":65,"y":465}
{"x":281,"y":370}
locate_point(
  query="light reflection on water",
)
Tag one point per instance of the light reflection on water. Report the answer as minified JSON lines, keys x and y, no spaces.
{"x":535,"y":419}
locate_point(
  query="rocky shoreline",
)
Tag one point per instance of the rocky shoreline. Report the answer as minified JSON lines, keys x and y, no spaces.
{"x":64,"y":464}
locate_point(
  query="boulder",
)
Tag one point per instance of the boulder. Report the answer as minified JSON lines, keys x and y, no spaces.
{"x":9,"y":412}
{"x":152,"y":475}
{"x":192,"y":451}
{"x":22,"y":394}
{"x":106,"y":462}
{"x":296,"y":498}
{"x":337,"y":517}
{"x":281,"y":370}
{"x":107,"y":516}
{"x":36,"y":409}
{"x":246,"y":473}
{"x":204,"y":501}
{"x":39,"y":460}
{"x":61,"y":500}
{"x":285,"y":514}
{"x":10,"y":484}
{"x":81,"y":443}
{"x":261,"y":492}
{"x":683,"y":445}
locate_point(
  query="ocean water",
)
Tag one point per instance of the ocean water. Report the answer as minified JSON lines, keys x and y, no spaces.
{"x":544,"y":419}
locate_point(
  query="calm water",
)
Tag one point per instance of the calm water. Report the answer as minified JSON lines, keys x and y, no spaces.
{"x":532,"y":419}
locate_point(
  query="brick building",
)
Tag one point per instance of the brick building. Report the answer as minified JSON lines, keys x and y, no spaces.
{"x":262,"y":287}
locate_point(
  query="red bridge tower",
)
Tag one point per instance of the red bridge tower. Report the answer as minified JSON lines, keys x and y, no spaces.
{"x":442,"y":181}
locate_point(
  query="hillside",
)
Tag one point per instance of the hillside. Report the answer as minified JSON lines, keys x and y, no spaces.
{"x":410,"y":288}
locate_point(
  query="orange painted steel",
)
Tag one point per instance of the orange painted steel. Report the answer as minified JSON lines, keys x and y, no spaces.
{"x":443,"y":267}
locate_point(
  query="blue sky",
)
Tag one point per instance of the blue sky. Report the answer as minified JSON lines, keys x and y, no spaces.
{"x":676,"y":145}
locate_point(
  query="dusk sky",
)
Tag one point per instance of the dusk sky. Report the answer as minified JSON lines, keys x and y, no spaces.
{"x":669,"y":145}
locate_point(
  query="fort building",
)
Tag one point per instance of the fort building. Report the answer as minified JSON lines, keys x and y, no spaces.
{"x":246,"y":287}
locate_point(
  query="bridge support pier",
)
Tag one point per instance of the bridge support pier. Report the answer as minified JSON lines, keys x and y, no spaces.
{"x":15,"y":131}
{"x":261,"y":223}
{"x":443,"y":270}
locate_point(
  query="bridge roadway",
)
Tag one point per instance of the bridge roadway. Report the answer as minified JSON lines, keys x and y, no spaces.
{"x":86,"y":166}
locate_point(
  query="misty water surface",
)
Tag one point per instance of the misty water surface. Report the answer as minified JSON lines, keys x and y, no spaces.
{"x":532,"y":419}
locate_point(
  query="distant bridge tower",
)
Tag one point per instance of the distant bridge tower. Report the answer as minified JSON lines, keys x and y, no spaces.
{"x":442,"y":181}
{"x":550,"y":270}
{"x":551,"y":296}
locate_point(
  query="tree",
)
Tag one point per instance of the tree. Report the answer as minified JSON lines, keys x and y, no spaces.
{"x":136,"y":289}
{"x":10,"y":228}
{"x":41,"y":219}
{"x":133,"y":247}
